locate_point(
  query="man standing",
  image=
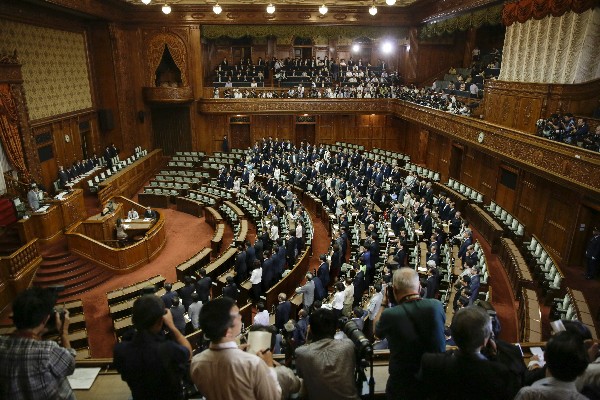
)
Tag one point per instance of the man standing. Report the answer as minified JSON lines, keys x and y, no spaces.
{"x":414,"y":327}
{"x":152,"y":365}
{"x":224,"y":371}
{"x":194,"y":311}
{"x":592,"y":254}
{"x":327,"y":365}
{"x":203,"y":286}
{"x":282,"y":312}
{"x":443,"y":374}
{"x":308,"y":292}
{"x":31,"y":368}
{"x":33,"y":199}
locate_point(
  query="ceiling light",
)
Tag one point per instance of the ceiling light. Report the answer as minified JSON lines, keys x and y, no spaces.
{"x":390,"y":2}
{"x":373,"y":10}
{"x":146,"y":2}
{"x":166,"y":9}
{"x":217,"y":9}
{"x":323,"y":9}
{"x":356,"y":47}
{"x":270,"y":8}
{"x":387,"y":47}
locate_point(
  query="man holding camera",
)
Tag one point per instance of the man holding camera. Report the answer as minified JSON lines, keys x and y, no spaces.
{"x":152,"y":365}
{"x":413,"y":327}
{"x":327,"y":365}
{"x":32,"y":368}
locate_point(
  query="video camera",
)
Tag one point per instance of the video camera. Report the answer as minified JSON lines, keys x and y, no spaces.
{"x":353,"y":332}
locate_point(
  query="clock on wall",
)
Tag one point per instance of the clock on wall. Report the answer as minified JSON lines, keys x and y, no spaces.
{"x":480,"y":137}
{"x":67,"y":138}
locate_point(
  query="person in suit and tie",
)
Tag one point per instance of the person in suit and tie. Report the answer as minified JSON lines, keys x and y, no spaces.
{"x":426,"y":224}
{"x":150,"y":213}
{"x":241,"y":269}
{"x":283,"y":311}
{"x":467,"y":241}
{"x":592,"y":254}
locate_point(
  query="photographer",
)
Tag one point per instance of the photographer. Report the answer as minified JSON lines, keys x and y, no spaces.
{"x":32,"y":368}
{"x":152,"y":365}
{"x":326,"y":365}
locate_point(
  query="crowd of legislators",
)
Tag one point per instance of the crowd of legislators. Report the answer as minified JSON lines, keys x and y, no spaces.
{"x":567,"y":129}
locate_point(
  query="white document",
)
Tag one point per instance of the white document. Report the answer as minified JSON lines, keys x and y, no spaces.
{"x":258,"y":341}
{"x":83,"y":378}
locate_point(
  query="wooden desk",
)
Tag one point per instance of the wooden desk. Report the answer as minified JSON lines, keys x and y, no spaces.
{"x":242,"y":234}
{"x":137,"y":227}
{"x":127,"y":181}
{"x":485,"y":224}
{"x":154,"y":200}
{"x":49,"y":225}
{"x":189,"y":206}
{"x":212,"y":217}
{"x":102,"y":227}
{"x":529,"y":317}
{"x":221,"y":263}
{"x":193,"y":264}
{"x":238,"y":211}
{"x":515,"y":266}
{"x":217,"y":239}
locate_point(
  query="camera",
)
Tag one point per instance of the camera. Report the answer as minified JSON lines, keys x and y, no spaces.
{"x":352,"y":331}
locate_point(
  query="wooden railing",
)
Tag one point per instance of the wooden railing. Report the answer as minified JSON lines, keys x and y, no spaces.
{"x":17,"y":270}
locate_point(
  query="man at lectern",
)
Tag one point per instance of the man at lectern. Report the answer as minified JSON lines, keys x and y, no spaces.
{"x":150,"y":213}
{"x":132,"y":214}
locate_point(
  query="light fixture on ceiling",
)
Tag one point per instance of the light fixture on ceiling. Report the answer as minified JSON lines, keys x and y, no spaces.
{"x":217,"y":9}
{"x":323,"y":9}
{"x":373,"y":9}
{"x":356,"y":47}
{"x":270,"y":8}
{"x":390,"y":2}
{"x":387,"y":47}
{"x":146,"y":2}
{"x":166,"y":9}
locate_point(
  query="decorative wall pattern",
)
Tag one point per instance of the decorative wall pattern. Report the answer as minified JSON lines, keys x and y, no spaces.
{"x":554,"y":49}
{"x":476,"y":19}
{"x":287,"y":33}
{"x":55,"y":70}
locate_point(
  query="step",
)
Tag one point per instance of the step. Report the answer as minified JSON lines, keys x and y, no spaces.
{"x":54,"y":257}
{"x":84,"y":286}
{"x":46,"y":270}
{"x":64,"y":278}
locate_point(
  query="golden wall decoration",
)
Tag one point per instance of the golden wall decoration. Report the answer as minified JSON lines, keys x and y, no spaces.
{"x":476,"y":19}
{"x":54,"y":67}
{"x":287,"y":33}
{"x":155,"y":50}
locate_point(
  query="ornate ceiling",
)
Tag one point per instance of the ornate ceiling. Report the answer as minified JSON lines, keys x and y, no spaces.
{"x":316,"y":3}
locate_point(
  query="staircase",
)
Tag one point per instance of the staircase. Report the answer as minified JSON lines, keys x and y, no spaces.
{"x":77,"y":275}
{"x":9,"y":240}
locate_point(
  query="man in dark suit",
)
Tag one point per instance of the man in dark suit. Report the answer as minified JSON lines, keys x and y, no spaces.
{"x":241,"y":269}
{"x":268,"y":270}
{"x":186,"y":292}
{"x":150,"y":213}
{"x":433,"y":255}
{"x":203,"y":286}
{"x":283,"y":311}
{"x":63,"y":176}
{"x":444,"y":373}
{"x":231,"y":290}
{"x":467,"y":241}
{"x":323,"y":271}
{"x":474,"y":285}
{"x":426,"y":224}
{"x":592,"y":254}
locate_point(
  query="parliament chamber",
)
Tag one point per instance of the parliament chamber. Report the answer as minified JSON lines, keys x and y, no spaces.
{"x":157,"y":105}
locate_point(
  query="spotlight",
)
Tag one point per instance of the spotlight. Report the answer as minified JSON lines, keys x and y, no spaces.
{"x":373,"y":10}
{"x":323,"y":9}
{"x":270,"y":8}
{"x":217,"y":9}
{"x":390,"y":2}
{"x":146,"y":2}
{"x":166,"y":9}
{"x":356,"y":47}
{"x":386,"y":47}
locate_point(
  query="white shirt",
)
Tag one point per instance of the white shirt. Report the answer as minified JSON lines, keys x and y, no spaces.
{"x":274,"y":233}
{"x":133,"y":214}
{"x":338,"y":300}
{"x":256,"y":276}
{"x":298,"y":230}
{"x":262,"y":318}
{"x":374,"y":305}
{"x":349,"y":294}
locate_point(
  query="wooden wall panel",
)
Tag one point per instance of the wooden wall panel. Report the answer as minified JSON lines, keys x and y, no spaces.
{"x":520,"y":105}
{"x":325,"y":128}
{"x":560,"y":218}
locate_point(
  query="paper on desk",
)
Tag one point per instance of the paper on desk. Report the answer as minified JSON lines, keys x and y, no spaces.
{"x":83,"y":378}
{"x":258,"y":340}
{"x":147,"y":219}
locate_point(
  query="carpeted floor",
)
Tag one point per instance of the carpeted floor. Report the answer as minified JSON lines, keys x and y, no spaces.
{"x":186,"y":235}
